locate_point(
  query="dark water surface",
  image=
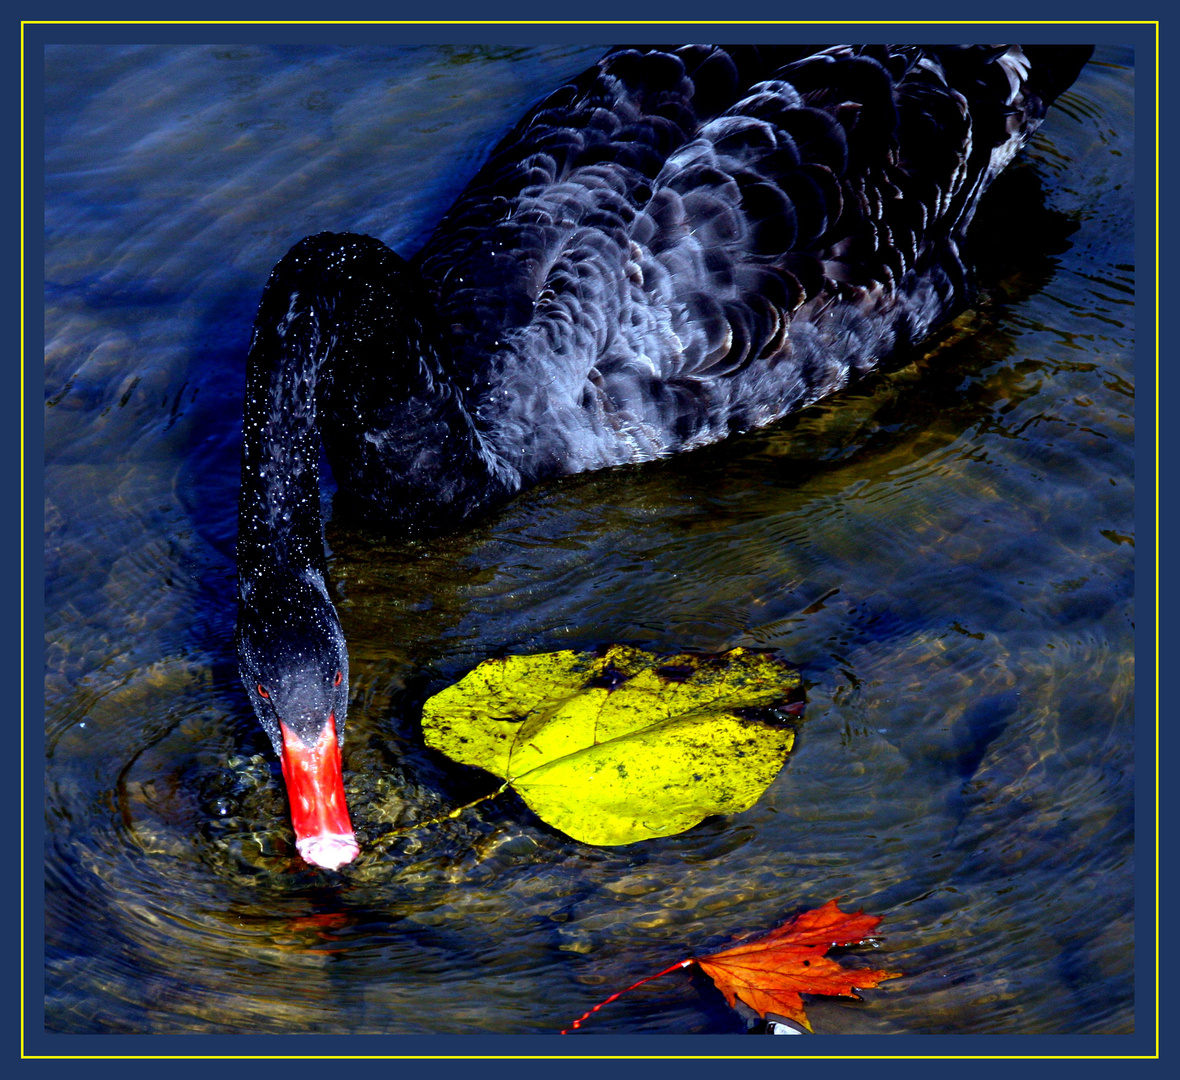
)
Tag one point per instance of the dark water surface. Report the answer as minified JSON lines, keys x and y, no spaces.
{"x":945,"y":551}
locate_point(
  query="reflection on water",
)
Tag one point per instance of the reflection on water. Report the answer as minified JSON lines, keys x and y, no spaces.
{"x":945,"y":551}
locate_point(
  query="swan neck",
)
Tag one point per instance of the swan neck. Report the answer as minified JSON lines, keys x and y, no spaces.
{"x":281,"y":521}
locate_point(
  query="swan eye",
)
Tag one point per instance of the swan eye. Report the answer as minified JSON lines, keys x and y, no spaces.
{"x":339,"y":677}
{"x":262,"y":691}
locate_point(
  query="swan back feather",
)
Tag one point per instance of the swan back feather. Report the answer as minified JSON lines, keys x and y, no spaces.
{"x":679,"y":245}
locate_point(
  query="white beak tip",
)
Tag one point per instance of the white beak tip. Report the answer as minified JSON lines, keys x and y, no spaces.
{"x":331,"y":851}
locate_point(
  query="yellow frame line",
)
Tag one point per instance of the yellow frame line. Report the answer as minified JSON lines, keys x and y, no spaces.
{"x":590,"y":22}
{"x":598,"y":22}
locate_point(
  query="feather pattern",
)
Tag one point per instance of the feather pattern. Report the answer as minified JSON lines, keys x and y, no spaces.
{"x":679,"y":245}
{"x":674,"y":246}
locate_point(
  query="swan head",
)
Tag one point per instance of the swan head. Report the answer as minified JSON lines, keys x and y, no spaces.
{"x":294,"y":664}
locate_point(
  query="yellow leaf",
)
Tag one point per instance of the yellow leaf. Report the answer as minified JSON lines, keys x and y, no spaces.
{"x":621,"y":745}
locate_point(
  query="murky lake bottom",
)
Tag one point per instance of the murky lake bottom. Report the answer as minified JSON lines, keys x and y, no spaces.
{"x":945,"y":551}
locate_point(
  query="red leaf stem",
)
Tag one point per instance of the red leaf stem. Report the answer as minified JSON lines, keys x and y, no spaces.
{"x":614,"y":997}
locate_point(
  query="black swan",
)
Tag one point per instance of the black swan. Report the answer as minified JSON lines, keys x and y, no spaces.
{"x":677,"y":245}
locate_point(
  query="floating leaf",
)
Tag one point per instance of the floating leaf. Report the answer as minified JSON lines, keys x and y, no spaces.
{"x":622,"y":745}
{"x":770,"y":973}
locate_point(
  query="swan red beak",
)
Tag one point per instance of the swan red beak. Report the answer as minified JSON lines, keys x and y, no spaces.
{"x":315,"y":788}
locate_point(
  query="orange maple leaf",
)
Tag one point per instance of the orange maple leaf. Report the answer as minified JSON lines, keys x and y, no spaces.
{"x":770,"y":973}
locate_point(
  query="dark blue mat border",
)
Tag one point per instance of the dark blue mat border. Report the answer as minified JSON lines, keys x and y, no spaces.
{"x":35,"y":35}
